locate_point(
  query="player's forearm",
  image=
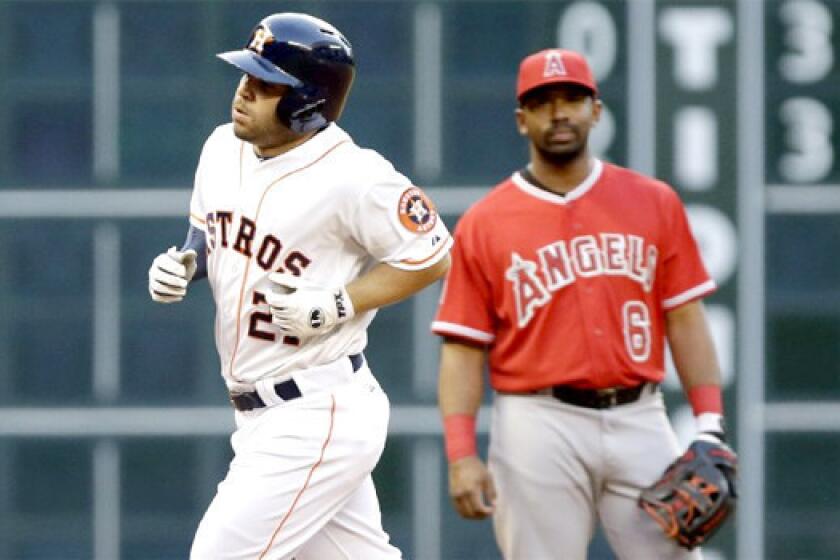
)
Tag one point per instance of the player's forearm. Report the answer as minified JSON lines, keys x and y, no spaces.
{"x":692,"y":347}
{"x":385,"y":284}
{"x":460,"y":386}
{"x":459,"y":397}
{"x":197,"y":241}
{"x":697,"y":365}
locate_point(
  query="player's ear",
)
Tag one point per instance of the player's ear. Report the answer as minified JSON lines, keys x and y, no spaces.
{"x":597,"y":106}
{"x":520,"y":122}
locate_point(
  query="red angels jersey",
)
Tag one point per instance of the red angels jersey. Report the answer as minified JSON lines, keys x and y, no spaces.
{"x":327,"y":211}
{"x":572,"y":289}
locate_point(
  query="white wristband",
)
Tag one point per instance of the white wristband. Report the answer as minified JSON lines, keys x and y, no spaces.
{"x":710,"y":422}
{"x":344,"y":305}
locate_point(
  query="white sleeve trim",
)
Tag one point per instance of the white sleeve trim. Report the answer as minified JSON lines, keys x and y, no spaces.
{"x":431,"y":260}
{"x":688,"y":295}
{"x":444,"y":328}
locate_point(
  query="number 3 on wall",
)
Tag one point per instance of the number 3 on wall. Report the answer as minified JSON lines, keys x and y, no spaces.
{"x":636,"y":326}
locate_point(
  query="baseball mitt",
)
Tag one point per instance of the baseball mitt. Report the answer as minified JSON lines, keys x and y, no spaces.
{"x":695,"y":494}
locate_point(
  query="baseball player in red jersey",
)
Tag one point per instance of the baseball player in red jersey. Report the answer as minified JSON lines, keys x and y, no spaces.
{"x":302,"y":235}
{"x":567,"y":279}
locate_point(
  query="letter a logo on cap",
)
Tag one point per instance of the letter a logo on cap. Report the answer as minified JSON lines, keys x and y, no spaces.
{"x":554,"y":65}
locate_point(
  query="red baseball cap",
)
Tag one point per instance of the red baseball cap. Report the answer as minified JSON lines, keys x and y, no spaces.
{"x":554,"y":66}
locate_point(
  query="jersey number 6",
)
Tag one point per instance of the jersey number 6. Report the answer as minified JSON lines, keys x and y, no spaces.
{"x":636,"y":326}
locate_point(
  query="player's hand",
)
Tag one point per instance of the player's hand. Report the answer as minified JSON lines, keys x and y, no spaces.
{"x":471,"y":488}
{"x":302,"y":309}
{"x":170,"y":274}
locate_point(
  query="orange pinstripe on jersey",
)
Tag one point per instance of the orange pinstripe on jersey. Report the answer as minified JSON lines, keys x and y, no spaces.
{"x":305,"y":484}
{"x":248,"y":262}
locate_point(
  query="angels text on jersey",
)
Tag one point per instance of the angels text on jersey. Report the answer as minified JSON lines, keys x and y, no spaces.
{"x":562,"y":262}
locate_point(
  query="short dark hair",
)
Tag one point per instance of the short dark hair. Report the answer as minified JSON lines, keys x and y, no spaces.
{"x":528,"y":96}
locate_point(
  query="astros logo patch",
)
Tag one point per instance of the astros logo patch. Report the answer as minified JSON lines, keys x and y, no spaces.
{"x":417,"y":213}
{"x":261,"y":38}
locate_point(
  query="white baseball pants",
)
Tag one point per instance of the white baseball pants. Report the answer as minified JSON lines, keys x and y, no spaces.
{"x":299,"y":485}
{"x":560,"y":468}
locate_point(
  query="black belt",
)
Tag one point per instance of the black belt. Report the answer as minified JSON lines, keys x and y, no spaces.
{"x":286,"y":390}
{"x":598,"y":398}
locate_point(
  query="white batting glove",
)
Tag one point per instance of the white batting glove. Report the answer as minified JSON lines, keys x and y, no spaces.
{"x":710,"y":427}
{"x":302,"y":309}
{"x":170,"y":274}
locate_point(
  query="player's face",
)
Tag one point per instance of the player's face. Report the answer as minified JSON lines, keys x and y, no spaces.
{"x":557,"y":120}
{"x":253,"y":114}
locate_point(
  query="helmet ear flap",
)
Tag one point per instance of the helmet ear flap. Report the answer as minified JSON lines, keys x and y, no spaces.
{"x":301,"y":109}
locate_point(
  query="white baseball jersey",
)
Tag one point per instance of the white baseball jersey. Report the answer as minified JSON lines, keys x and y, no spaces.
{"x":327,"y":211}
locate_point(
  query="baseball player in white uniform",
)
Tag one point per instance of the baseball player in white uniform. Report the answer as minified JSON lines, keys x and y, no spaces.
{"x":302,"y":236}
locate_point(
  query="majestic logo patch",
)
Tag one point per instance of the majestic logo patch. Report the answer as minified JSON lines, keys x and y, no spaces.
{"x":417,"y":213}
{"x":261,"y":38}
{"x":554,"y":65}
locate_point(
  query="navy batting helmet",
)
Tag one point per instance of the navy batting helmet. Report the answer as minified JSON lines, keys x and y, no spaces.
{"x":307,"y":54}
